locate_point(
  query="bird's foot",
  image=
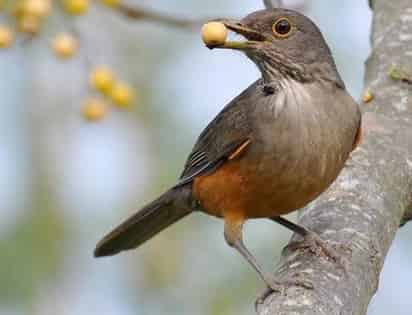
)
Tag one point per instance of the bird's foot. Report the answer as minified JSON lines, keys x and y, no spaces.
{"x":320,"y":248}
{"x":281,"y":287}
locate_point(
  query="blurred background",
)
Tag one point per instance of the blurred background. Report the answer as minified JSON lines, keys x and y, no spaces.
{"x":70,"y":170}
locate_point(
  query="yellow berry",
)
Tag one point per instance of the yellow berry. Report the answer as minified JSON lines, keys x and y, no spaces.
{"x":111,"y":3}
{"x":65,"y":45}
{"x":38,"y":8}
{"x":122,"y":95}
{"x":29,"y":24}
{"x":94,"y":109}
{"x":6,"y":36}
{"x":102,"y":79}
{"x":214,"y":33}
{"x":76,"y":7}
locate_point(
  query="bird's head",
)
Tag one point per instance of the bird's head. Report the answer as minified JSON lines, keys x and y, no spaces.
{"x":283,"y":43}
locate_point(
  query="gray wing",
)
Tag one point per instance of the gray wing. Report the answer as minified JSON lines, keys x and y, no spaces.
{"x":229,"y":130}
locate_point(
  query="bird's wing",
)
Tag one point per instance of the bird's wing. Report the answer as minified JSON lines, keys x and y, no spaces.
{"x":226,"y":136}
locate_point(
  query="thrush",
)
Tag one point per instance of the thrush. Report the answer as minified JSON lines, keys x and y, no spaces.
{"x":270,"y":151}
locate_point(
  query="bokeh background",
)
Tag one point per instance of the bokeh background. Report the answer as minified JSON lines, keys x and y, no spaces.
{"x":65,"y":182}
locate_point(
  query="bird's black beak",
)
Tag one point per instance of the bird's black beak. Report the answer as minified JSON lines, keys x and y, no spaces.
{"x":252,"y":37}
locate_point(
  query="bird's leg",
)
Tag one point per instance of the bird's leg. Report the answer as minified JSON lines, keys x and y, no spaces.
{"x":301,"y":230}
{"x":311,"y":240}
{"x":233,"y":237}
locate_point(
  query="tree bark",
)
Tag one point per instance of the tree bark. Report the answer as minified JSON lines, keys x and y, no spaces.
{"x":360,"y":214}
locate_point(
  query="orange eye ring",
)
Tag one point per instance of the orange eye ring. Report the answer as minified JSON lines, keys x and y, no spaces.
{"x":282,"y":27}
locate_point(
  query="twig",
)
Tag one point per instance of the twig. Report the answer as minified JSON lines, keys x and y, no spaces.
{"x":139,"y":13}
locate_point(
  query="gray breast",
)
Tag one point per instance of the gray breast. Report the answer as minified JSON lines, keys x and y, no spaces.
{"x":305,"y":131}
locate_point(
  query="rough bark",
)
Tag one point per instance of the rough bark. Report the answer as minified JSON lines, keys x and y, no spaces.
{"x":363,"y":209}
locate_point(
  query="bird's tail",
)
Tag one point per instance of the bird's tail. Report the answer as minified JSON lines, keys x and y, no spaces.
{"x":147,"y":222}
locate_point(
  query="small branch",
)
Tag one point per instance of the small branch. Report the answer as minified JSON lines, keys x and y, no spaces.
{"x":139,"y":13}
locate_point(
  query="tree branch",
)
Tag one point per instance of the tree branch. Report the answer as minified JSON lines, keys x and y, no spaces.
{"x":139,"y":13}
{"x":361,"y":212}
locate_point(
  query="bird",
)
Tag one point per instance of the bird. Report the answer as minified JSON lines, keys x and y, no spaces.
{"x":271,"y":150}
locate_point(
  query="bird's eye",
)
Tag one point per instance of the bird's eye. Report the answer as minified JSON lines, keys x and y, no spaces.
{"x":282,"y":27}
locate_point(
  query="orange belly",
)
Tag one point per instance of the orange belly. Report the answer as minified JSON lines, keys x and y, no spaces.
{"x":222,"y":193}
{"x":236,"y":191}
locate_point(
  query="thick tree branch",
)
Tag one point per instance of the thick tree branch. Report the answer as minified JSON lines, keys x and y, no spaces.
{"x":361,"y":212}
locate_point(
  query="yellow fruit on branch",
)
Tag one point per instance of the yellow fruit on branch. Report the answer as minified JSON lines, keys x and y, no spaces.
{"x":76,"y":7}
{"x":38,"y":8}
{"x":94,"y":109}
{"x":214,"y":33}
{"x":122,"y":95}
{"x":102,"y":79}
{"x":65,"y":45}
{"x":6,"y":37}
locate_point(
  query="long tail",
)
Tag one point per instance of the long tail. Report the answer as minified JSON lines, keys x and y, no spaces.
{"x":147,"y":222}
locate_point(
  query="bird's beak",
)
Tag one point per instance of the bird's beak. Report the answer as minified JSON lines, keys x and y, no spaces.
{"x":252,"y":37}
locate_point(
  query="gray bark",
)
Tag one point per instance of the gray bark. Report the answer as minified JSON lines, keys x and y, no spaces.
{"x":363,"y":209}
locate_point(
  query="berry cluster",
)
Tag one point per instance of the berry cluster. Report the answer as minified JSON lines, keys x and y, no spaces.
{"x":28,"y":17}
{"x":103,"y":81}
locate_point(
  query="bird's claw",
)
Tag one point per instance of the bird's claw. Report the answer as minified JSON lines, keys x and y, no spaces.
{"x":281,"y":287}
{"x":320,"y":248}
